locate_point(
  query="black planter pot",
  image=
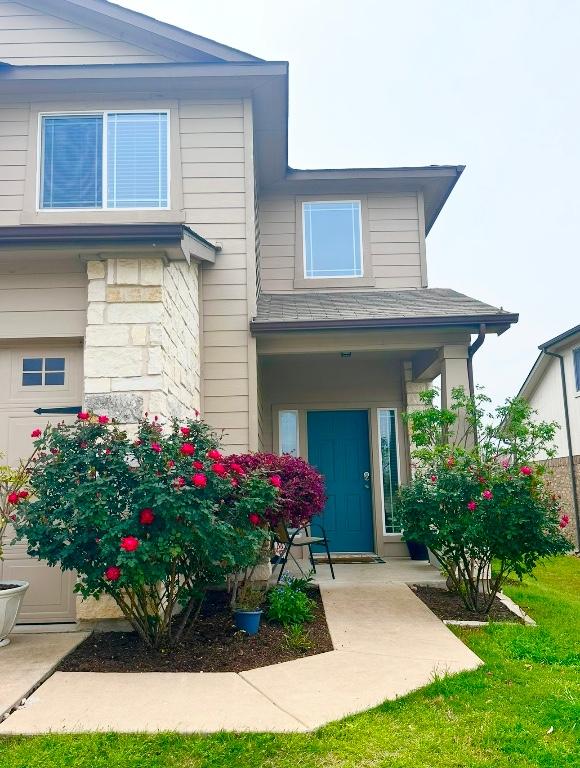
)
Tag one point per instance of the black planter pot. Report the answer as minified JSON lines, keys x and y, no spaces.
{"x":417,"y":550}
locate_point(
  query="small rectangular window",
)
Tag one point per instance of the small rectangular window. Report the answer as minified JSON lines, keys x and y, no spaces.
{"x":332,"y":239}
{"x":389,"y":467}
{"x":576,"y":358}
{"x":43,"y":371}
{"x":288,"y":432}
{"x":108,"y":160}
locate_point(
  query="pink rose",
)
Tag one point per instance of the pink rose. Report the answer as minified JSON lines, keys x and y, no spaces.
{"x":525,"y":470}
{"x":179,"y":482}
{"x":129,"y":543}
{"x":156,"y":447}
{"x":199,"y":480}
{"x":564,"y":520}
{"x":185,"y":431}
{"x":13,"y":498}
{"x":487,"y":494}
{"x":103,"y":419}
{"x":471,"y":506}
{"x":276,"y":481}
{"x":213,"y":454}
{"x":112,"y":573}
{"x":36,"y":433}
{"x":254,"y":518}
{"x":187,"y":449}
{"x":146,"y":516}
{"x":83,"y":416}
{"x":218,"y":468}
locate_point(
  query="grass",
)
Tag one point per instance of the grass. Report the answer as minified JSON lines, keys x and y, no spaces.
{"x":521,"y":709}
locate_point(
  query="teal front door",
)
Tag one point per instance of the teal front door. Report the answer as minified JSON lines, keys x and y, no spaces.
{"x":338,"y":445}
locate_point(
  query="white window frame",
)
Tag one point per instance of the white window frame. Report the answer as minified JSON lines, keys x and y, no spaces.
{"x":289,"y":410}
{"x":105,"y":113}
{"x":361,"y":243}
{"x":397,"y":447}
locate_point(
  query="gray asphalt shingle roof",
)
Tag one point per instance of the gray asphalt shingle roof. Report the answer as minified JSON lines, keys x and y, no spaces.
{"x":333,"y":309}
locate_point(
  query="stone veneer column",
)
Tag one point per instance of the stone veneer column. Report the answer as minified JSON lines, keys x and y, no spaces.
{"x":412,"y":391}
{"x":142,"y":338}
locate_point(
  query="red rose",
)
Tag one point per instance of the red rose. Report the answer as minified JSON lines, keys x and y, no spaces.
{"x":564,"y":520}
{"x":234,"y":482}
{"x":170,"y":463}
{"x":237,"y":468}
{"x":433,"y":478}
{"x":197,"y":464}
{"x":13,"y":498}
{"x":213,"y":454}
{"x":156,"y":447}
{"x":129,"y":543}
{"x":187,"y":449}
{"x":112,"y":573}
{"x":36,"y":433}
{"x":254,"y":519}
{"x":481,"y":480}
{"x":146,"y":516}
{"x":276,"y":481}
{"x":179,"y":482}
{"x":526,"y":470}
{"x":471,"y":506}
{"x":199,"y":480}
{"x":23,"y":494}
{"x":219,"y":469}
{"x":107,"y":451}
{"x":103,"y":419}
{"x":82,"y":445}
{"x":185,"y":431}
{"x":83,"y":416}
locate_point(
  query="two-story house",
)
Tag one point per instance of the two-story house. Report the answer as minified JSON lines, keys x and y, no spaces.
{"x":552,"y":387}
{"x":158,"y":254}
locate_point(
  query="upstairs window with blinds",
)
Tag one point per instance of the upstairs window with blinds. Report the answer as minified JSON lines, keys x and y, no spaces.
{"x":109,"y":160}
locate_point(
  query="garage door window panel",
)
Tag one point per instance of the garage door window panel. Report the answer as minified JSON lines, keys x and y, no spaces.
{"x":43,"y":371}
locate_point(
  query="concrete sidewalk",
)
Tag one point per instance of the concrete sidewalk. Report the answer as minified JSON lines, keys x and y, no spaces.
{"x":387,"y":643}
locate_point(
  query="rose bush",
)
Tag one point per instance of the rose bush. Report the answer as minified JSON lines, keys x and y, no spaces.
{"x":478,"y":503}
{"x":301,"y":486}
{"x":150,"y":521}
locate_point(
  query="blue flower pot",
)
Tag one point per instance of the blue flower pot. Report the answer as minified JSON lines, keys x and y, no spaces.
{"x":249,"y":621}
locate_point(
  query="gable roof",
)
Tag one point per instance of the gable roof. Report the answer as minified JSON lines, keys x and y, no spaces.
{"x":145,"y":31}
{"x":543,"y":360}
{"x":375,"y":309}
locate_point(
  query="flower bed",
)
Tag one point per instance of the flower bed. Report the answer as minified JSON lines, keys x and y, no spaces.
{"x":212,"y":644}
{"x":448,"y":606}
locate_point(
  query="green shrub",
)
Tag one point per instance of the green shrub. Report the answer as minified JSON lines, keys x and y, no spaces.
{"x":477,"y":501}
{"x":290,"y":606}
{"x":297,"y":639}
{"x":150,"y":521}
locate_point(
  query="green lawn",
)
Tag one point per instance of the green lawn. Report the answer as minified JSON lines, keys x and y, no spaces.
{"x":521,"y":709}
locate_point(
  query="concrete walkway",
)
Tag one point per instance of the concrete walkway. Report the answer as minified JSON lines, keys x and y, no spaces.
{"x":387,"y":643}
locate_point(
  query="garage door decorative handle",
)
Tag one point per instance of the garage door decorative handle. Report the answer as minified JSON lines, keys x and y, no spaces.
{"x":68,"y":409}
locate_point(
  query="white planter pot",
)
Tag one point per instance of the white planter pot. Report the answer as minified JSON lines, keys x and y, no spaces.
{"x":10,"y":601}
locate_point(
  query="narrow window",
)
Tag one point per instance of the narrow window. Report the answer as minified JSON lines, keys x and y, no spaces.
{"x":389,"y":466}
{"x":43,"y":371}
{"x":72,"y":162}
{"x":576,"y":357}
{"x":332,"y":239}
{"x":288,"y":432}
{"x":113,"y":160}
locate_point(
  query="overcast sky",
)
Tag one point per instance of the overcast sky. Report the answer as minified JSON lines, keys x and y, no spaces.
{"x":493,"y":85}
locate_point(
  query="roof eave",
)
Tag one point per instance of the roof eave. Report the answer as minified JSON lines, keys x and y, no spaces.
{"x":495,"y":323}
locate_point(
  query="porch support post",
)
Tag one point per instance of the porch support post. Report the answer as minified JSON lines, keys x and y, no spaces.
{"x":411,"y":391}
{"x":454,"y":373}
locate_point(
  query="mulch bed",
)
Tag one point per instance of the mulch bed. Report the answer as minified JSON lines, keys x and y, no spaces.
{"x":213,"y":644}
{"x":448,"y":606}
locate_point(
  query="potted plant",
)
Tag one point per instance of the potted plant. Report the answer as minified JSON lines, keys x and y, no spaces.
{"x":248,"y":607}
{"x":417,"y":550}
{"x":12,"y":592}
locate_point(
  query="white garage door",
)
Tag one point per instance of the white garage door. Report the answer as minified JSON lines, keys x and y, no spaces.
{"x":43,"y":376}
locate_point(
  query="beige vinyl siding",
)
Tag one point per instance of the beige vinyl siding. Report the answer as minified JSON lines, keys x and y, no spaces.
{"x":42,"y":298}
{"x":394,"y":239}
{"x":214,"y":192}
{"x":13,"y":149}
{"x":30,"y":37}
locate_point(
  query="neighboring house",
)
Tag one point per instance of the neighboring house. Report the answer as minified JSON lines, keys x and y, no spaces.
{"x":157,"y":254}
{"x":552,"y":388}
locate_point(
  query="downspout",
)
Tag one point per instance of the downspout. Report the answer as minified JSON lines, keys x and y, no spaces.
{"x":573,"y":482}
{"x":471,"y":350}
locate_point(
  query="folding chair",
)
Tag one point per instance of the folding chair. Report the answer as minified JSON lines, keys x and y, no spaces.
{"x":291,"y":537}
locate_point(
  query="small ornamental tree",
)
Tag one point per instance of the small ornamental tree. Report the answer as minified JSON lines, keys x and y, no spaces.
{"x":474,"y":503}
{"x":301,"y":486}
{"x":150,"y":521}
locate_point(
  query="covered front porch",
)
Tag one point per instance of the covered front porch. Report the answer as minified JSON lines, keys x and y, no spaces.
{"x":336,"y":399}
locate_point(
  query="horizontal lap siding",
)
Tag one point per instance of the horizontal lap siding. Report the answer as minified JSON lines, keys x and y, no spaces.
{"x":212,"y":154}
{"x":14,"y":121}
{"x":42,"y":298}
{"x":393,"y":236}
{"x":30,"y":37}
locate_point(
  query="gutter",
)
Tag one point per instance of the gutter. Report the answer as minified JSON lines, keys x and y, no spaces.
{"x":471,"y":350}
{"x":573,"y":482}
